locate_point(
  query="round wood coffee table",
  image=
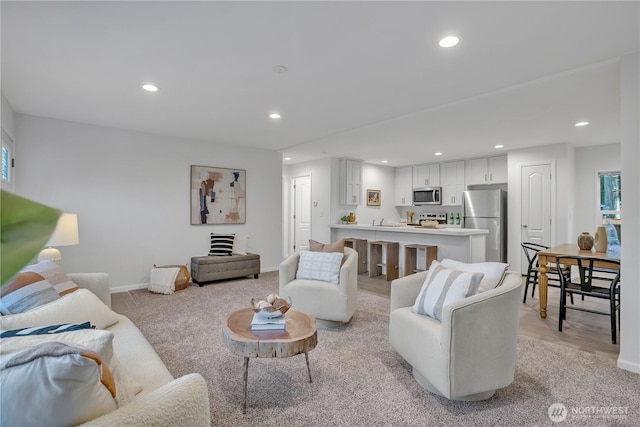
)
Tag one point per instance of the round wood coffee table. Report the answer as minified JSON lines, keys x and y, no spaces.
{"x":300,"y":336}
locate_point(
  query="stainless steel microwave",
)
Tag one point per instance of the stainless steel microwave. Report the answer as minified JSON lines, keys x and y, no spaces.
{"x":427,"y":196}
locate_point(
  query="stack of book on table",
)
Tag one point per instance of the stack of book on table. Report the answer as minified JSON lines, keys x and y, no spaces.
{"x":260,"y":323}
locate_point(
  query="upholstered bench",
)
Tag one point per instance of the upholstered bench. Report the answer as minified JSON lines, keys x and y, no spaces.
{"x":210,"y":268}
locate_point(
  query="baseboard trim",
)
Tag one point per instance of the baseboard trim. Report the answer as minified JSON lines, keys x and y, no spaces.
{"x":128,"y":288}
{"x":629,"y":366}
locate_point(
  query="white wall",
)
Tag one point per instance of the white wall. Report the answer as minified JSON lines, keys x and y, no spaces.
{"x":325,"y":193}
{"x":560,"y":155}
{"x":131,"y":192}
{"x":320,"y":173}
{"x":630,"y":152}
{"x":7,"y":115}
{"x":374,"y":177}
{"x":590,"y":161}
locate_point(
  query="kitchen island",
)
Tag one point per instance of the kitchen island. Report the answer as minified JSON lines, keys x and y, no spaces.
{"x":461,"y":244}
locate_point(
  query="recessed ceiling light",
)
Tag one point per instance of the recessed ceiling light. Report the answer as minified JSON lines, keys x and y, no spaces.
{"x":498,"y":146}
{"x":274,"y":115}
{"x":438,"y":153}
{"x":287,"y":158}
{"x":582,"y":124}
{"x":449,"y":41}
{"x":384,"y":161}
{"x":150,"y":87}
{"x":280,"y":69}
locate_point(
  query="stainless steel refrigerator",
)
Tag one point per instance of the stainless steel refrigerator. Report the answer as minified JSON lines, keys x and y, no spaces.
{"x":487,"y":209}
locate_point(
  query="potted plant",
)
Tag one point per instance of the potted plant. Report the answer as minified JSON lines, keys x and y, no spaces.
{"x":25,"y":227}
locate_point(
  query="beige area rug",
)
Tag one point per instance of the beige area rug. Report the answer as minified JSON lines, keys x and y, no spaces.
{"x":358,"y":380}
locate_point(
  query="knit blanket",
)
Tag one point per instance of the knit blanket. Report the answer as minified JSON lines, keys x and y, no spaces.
{"x":162,"y":280}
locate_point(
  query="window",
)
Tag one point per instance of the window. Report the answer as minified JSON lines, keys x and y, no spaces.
{"x":7,"y":152}
{"x":610,"y":191}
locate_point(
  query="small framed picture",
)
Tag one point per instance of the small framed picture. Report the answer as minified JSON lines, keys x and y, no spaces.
{"x":373,"y":197}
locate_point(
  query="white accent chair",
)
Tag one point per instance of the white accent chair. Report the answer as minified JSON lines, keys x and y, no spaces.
{"x":330,"y":303}
{"x":472,"y":352}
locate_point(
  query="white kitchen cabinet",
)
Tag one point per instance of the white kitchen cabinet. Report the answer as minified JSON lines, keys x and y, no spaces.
{"x":426,"y":175}
{"x":452,"y":183}
{"x":487,"y":170}
{"x":350,"y":182}
{"x":404,"y":186}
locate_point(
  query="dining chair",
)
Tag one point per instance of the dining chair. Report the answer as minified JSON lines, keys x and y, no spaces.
{"x":553,"y":275}
{"x":586,"y":284}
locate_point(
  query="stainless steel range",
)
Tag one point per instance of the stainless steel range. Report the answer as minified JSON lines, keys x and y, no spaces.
{"x":440,"y":217}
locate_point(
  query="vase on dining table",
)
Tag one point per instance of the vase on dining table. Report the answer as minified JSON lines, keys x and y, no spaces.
{"x":600,"y":239}
{"x":585,"y":241}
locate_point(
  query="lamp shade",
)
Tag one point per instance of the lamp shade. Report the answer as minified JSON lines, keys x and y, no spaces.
{"x":66,"y":232}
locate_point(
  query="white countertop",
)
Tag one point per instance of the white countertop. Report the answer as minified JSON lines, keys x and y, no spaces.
{"x":412,"y":229}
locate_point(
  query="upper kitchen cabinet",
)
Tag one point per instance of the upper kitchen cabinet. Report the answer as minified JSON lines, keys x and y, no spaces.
{"x":487,"y":170}
{"x":452,"y":183}
{"x":426,"y":175}
{"x":404,"y":186}
{"x":350,"y":182}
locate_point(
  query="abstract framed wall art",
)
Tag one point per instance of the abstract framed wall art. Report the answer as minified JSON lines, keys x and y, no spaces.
{"x":373,"y":197}
{"x":218,"y":195}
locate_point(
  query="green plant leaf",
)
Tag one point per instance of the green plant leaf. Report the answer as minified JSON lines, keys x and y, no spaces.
{"x":25,"y":226}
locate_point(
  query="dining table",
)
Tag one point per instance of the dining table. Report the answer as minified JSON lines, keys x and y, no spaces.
{"x":569,"y":249}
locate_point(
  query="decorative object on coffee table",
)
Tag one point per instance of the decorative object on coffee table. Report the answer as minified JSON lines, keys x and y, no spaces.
{"x":585,"y":241}
{"x":300,"y":336}
{"x":271,"y":305}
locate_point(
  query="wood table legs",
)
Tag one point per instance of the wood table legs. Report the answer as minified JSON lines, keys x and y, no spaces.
{"x":245,"y":377}
{"x":543,"y":285}
{"x":306,"y":356}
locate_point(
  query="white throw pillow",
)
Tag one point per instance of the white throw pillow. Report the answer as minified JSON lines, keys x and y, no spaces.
{"x":443,"y":286}
{"x":322,"y":266}
{"x":240,"y":245}
{"x":97,"y":340}
{"x":76,"y":307}
{"x":494,"y":272}
{"x":68,"y":385}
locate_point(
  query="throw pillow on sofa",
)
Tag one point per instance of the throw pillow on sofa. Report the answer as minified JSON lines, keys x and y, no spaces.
{"x":443,"y":286}
{"x":69,"y":385}
{"x":76,"y":307}
{"x":51,"y":271}
{"x":26,"y":291}
{"x":97,"y":340}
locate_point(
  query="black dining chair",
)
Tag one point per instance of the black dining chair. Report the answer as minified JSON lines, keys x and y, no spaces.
{"x":588,"y":285}
{"x":553,"y":275}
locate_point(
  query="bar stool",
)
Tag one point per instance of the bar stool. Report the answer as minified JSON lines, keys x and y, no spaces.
{"x":411,"y":257}
{"x":391,"y":250}
{"x":360,"y":246}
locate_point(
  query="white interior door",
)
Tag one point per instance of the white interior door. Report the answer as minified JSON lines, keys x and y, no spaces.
{"x":536,"y":207}
{"x":301,"y":212}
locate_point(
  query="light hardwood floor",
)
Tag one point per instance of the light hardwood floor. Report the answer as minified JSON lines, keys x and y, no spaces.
{"x":584,"y":331}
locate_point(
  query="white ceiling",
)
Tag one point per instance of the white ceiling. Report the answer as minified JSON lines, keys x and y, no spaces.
{"x":366,"y":80}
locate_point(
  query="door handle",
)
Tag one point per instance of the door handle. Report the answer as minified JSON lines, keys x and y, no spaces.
{"x":525,"y":226}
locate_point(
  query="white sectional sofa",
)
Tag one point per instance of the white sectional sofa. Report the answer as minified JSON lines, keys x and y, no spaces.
{"x":163,"y":400}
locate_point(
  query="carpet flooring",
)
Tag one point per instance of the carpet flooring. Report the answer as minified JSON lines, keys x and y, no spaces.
{"x":358,"y":380}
